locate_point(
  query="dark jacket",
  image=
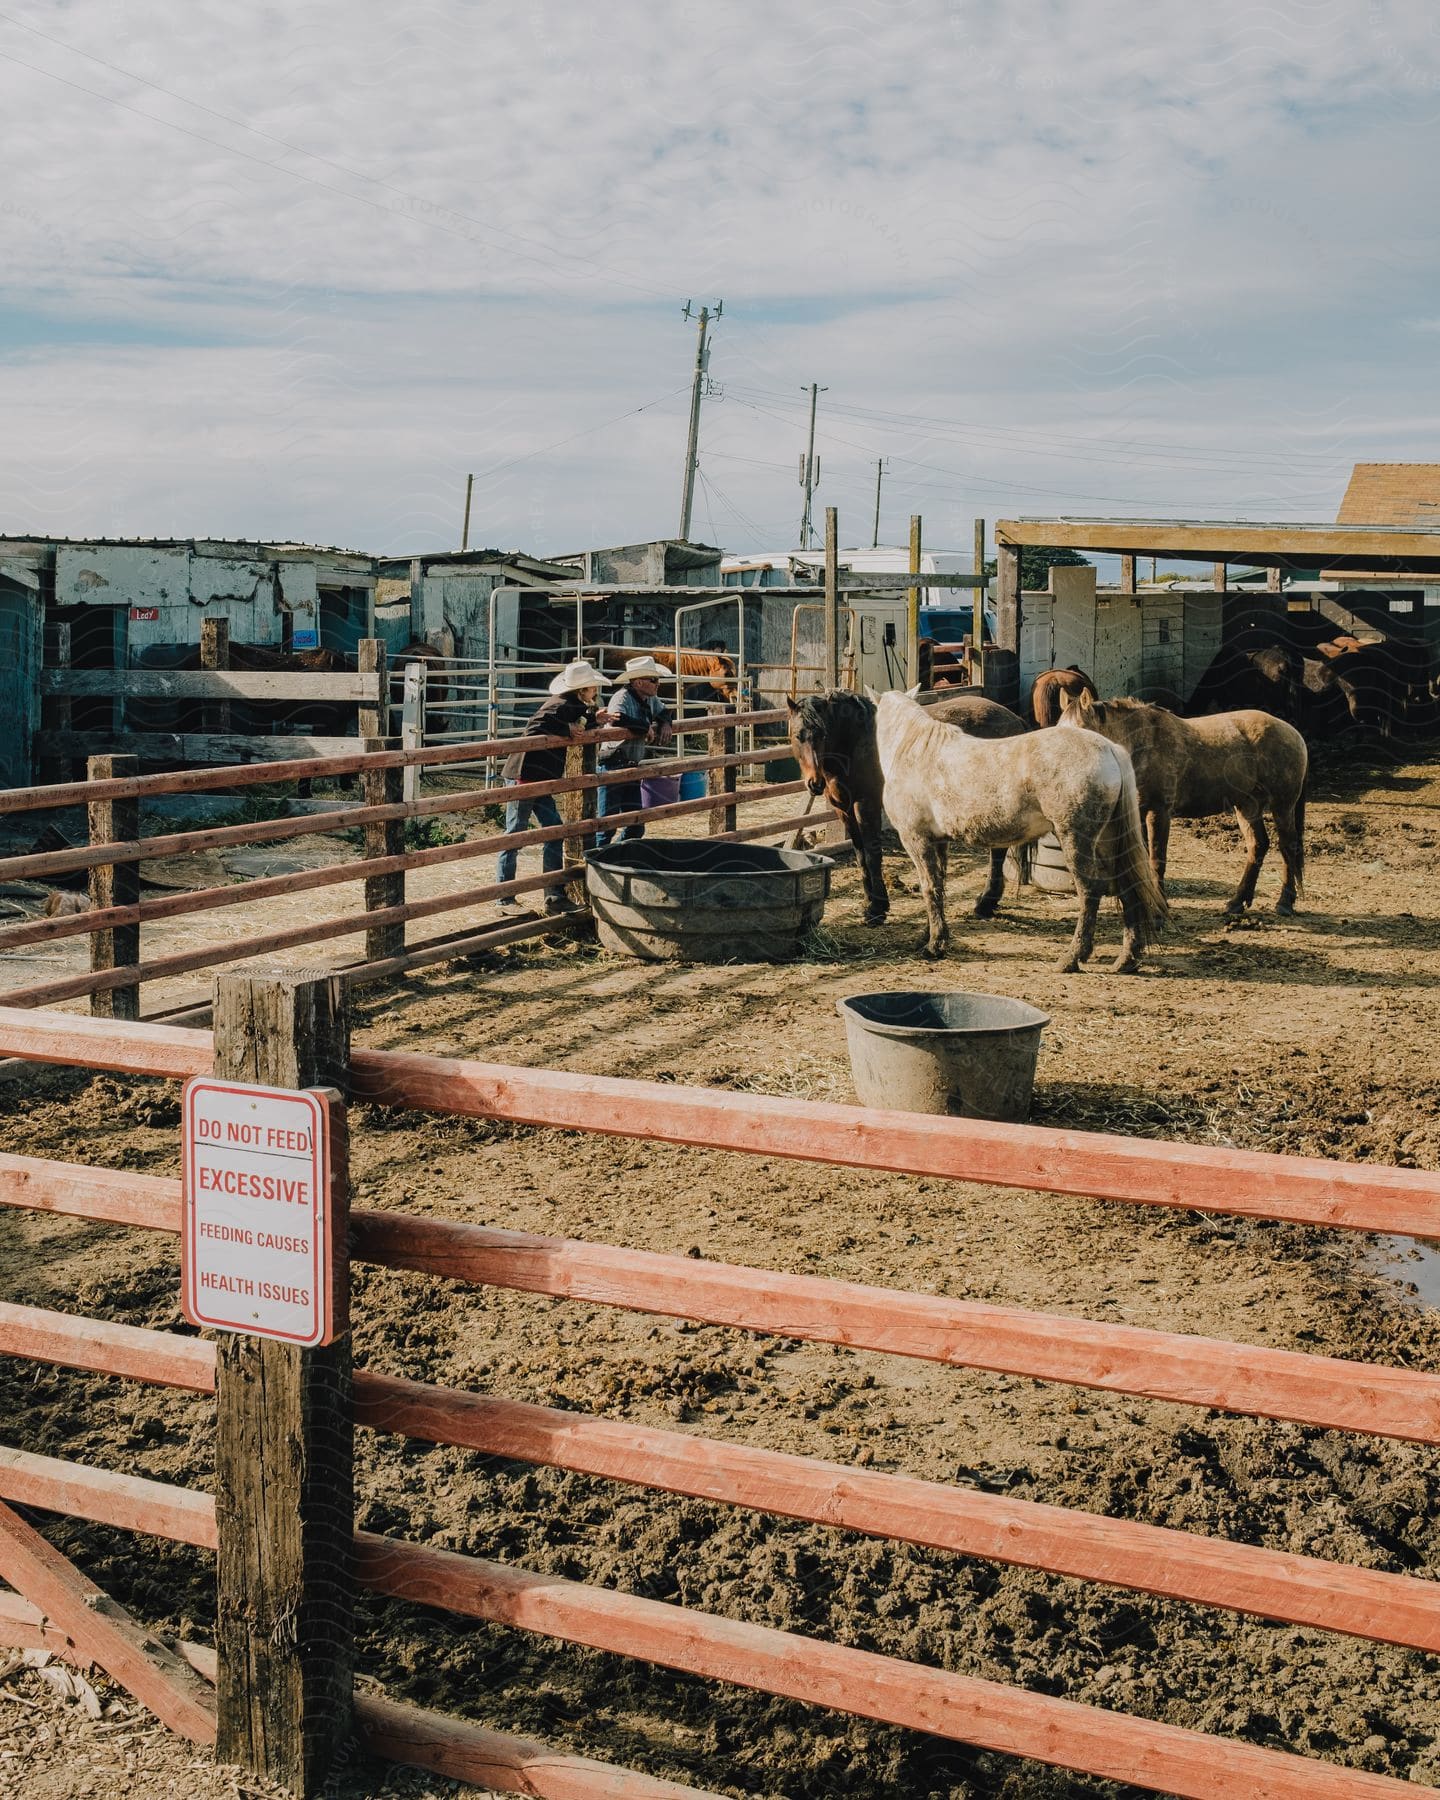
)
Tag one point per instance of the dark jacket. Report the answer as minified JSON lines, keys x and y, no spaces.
{"x":553,"y":719}
{"x":627,"y":709}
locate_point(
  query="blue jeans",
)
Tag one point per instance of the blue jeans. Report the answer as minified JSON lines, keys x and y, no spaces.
{"x":517,"y":815}
{"x":620,"y":797}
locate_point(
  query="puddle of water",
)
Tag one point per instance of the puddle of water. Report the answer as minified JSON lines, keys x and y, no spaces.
{"x":1414,"y":1261}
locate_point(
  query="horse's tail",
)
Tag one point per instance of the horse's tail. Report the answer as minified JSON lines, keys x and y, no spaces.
{"x":1045,"y":703}
{"x":1300,"y":835}
{"x":1024,"y":855}
{"x":1141,"y":897}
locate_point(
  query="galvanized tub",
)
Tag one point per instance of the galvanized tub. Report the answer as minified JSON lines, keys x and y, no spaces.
{"x":687,"y":900}
{"x":970,"y":1055}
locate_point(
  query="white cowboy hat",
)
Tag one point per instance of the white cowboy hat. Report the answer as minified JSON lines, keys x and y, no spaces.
{"x":642,"y":666}
{"x":577,"y":675}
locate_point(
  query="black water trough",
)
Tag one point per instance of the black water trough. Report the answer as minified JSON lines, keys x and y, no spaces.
{"x":687,"y":900}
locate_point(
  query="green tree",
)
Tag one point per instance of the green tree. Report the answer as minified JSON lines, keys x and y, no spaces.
{"x":1036,"y":562}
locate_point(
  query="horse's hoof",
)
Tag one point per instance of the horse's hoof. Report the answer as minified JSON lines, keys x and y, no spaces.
{"x":933,"y":951}
{"x":1236,"y":909}
{"x":1125,"y":965}
{"x":875,"y":918}
{"x":1068,"y":965}
{"x":1285,"y":908}
{"x":985,"y":909}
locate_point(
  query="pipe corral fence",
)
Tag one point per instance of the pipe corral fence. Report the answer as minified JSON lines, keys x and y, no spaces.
{"x":283,"y":1660}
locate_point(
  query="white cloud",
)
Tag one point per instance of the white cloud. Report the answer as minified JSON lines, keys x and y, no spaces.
{"x":297,"y":270}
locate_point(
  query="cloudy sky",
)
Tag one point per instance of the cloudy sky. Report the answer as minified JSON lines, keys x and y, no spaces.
{"x":290,"y":272}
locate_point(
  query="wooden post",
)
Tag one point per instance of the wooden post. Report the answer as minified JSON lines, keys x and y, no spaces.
{"x":1218,"y":573}
{"x":1007,"y":596}
{"x":579,"y":804}
{"x":114,"y":884}
{"x":383,"y":787}
{"x":417,"y":600}
{"x":912,"y":610}
{"x":832,"y":600}
{"x":284,"y":1469}
{"x":1273,"y":580}
{"x":977,"y":595}
{"x":374,"y":716}
{"x":215,"y":654}
{"x":1127,"y":574}
{"x":723,"y":781}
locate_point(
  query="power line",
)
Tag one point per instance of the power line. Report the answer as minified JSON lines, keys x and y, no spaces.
{"x":587,"y":431}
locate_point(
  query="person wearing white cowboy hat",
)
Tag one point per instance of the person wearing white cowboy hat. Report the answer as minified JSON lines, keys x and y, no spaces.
{"x":568,"y":713}
{"x":638,"y":708}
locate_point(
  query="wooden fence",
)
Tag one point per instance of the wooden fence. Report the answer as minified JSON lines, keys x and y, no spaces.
{"x":115,"y":853}
{"x":317,"y":1399}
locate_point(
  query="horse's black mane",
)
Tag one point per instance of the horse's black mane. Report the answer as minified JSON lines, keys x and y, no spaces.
{"x":835,"y":711}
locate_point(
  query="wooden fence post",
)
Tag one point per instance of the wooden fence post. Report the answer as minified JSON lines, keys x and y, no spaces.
{"x":832,"y":600}
{"x":114,"y":884}
{"x":724,"y":781}
{"x":215,"y":654}
{"x":383,"y":787}
{"x":284,"y":1471}
{"x":574,"y":806}
{"x":374,"y":716}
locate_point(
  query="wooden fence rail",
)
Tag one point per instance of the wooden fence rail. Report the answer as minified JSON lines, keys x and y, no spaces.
{"x":116,"y":852}
{"x":1299,"y":1590}
{"x":992,"y":1714}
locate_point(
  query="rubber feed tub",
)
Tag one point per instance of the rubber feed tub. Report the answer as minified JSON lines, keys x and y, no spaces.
{"x":686,"y":900}
{"x":970,"y":1055}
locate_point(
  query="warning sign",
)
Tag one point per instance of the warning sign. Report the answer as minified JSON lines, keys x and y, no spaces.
{"x":256,"y":1236}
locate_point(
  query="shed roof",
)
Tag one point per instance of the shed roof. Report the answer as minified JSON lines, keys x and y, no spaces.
{"x":1268,"y":544}
{"x":1392,"y":494}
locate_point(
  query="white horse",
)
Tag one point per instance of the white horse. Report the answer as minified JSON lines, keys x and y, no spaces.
{"x":998,"y":793}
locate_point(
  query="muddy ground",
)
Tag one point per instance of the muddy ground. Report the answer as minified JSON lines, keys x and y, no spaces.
{"x":1312,"y":1035}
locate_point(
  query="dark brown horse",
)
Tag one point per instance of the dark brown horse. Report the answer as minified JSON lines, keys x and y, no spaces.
{"x":1053,"y":688}
{"x":833,"y":737}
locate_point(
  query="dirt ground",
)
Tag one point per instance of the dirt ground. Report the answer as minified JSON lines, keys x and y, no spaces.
{"x":1312,"y":1035}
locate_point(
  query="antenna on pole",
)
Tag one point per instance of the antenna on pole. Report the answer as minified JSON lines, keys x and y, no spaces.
{"x":698,"y":387}
{"x":809,"y":468}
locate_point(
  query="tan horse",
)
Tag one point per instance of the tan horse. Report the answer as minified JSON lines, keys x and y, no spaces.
{"x":1191,"y":768}
{"x":1000,"y":793}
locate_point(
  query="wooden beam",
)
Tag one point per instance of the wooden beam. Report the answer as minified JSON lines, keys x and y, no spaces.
{"x":274,"y":685}
{"x":373,"y":718}
{"x":163,"y":1358}
{"x":104,"y":1632}
{"x":284,"y":1481}
{"x":125,"y":1502}
{"x":494,"y":1760}
{"x":385,"y":838}
{"x":215,"y":655}
{"x":1192,"y":540}
{"x":993,"y":1715}
{"x":1300,"y":1590}
{"x":344,"y":761}
{"x":114,"y":884}
{"x":1127,"y":1359}
{"x":1007,"y":597}
{"x":1211,"y":1178}
{"x":203,"y":747}
{"x":1127,"y":574}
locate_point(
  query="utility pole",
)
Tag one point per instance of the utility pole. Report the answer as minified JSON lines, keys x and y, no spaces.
{"x":809,"y":468}
{"x":697,"y":389}
{"x":880,"y":462}
{"x":465,"y":528}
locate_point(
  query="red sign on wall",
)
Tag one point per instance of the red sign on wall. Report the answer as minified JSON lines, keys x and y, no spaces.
{"x":145,"y":614}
